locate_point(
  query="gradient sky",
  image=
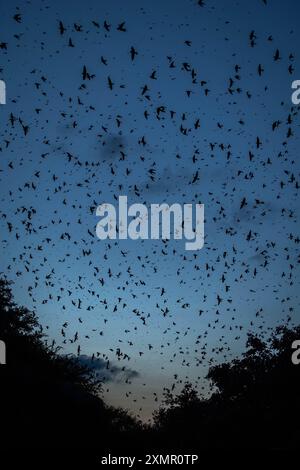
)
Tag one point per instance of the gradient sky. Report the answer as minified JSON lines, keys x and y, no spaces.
{"x":44,"y":194}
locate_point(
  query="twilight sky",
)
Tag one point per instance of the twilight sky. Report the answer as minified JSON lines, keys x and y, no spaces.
{"x":202,"y":114}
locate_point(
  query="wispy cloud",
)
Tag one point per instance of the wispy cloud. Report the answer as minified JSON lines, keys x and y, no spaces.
{"x":107,"y":371}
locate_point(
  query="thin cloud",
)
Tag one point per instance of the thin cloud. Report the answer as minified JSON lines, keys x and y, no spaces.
{"x":107,"y":372}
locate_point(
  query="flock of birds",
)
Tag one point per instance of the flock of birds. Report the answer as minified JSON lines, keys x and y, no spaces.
{"x":136,"y":121}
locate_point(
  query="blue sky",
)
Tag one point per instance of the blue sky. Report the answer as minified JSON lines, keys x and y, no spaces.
{"x":45,"y":194}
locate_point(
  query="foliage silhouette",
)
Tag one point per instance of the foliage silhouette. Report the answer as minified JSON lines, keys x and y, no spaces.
{"x":50,"y":400}
{"x":255,"y":403}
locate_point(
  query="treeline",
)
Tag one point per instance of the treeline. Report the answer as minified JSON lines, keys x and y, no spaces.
{"x":52,"y":401}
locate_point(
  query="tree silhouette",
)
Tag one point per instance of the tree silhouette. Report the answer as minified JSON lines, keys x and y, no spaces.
{"x":255,"y":402}
{"x":49,"y":400}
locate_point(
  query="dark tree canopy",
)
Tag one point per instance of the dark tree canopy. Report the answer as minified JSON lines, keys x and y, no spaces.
{"x":51,"y":400}
{"x":255,"y":401}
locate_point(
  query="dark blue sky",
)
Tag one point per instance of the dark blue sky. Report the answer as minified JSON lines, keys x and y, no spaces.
{"x":70,"y":160}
